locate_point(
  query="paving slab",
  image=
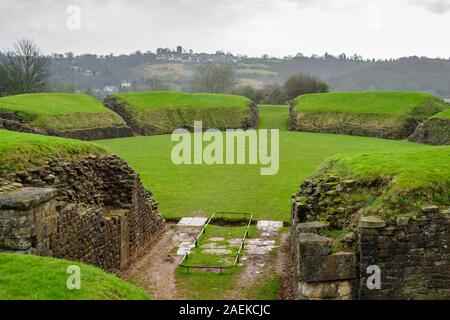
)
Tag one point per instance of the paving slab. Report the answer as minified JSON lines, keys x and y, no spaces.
{"x":192,"y":222}
{"x":269,"y":228}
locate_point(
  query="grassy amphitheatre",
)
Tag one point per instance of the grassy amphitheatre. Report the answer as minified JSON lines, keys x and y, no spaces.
{"x":163,"y":112}
{"x":28,"y":278}
{"x":391,"y":115}
{"x":406,"y":176}
{"x":187,"y":190}
{"x":61,"y":111}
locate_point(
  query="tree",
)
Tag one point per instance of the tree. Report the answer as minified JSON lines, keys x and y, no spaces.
{"x":23,"y":69}
{"x":214,"y":78}
{"x":303,"y":84}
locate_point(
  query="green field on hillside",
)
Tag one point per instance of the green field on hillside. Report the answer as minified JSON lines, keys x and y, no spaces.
{"x":199,"y":189}
{"x":142,"y":101}
{"x":24,"y":277}
{"x":383,"y":103}
{"x":21,"y":150}
{"x":61,"y":111}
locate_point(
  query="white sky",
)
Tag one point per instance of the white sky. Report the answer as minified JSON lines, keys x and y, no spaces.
{"x":372,"y":28}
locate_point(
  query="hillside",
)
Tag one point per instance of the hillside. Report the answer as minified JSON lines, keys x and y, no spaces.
{"x":163,"y":112}
{"x":392,"y":115}
{"x":37,"y":278}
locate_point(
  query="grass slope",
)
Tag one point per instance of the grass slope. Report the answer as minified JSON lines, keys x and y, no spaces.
{"x":393,"y":115}
{"x":443,"y":115}
{"x":37,"y":278}
{"x":21,"y":150}
{"x":163,"y":112}
{"x":142,"y":101}
{"x":61,"y":111}
{"x":407,"y":179}
{"x":182,"y":190}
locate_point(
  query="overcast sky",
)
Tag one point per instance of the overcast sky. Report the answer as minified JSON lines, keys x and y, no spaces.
{"x":381,"y":28}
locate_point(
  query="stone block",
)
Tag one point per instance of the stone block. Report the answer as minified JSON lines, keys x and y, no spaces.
{"x":312,"y":227}
{"x":372,"y":222}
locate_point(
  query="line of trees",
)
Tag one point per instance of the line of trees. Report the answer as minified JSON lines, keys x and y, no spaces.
{"x":221,"y":78}
{"x":23,"y":69}
{"x":280,"y":94}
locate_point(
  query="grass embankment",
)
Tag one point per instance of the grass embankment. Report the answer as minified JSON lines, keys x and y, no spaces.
{"x":22,"y":150}
{"x":61,"y":111}
{"x":25,"y":277}
{"x":406,"y":180}
{"x":200,"y":189}
{"x":443,"y":115}
{"x":164,"y":112}
{"x":392,"y":115}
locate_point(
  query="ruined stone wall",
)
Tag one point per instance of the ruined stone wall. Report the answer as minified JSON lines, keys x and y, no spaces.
{"x":413,"y":256}
{"x":12,"y":122}
{"x":94,"y":210}
{"x":434,"y":131}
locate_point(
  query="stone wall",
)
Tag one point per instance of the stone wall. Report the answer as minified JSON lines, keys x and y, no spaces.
{"x":434,"y":131}
{"x":165,"y":121}
{"x":12,"y":122}
{"x":320,"y":273}
{"x":330,"y":233}
{"x":412,"y":254}
{"x":94,"y":210}
{"x":369,"y":125}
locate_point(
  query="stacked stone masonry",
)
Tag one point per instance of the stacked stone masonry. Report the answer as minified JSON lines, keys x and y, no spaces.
{"x":94,"y":210}
{"x":412,"y":254}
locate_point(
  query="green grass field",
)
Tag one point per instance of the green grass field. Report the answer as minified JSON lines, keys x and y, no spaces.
{"x":37,"y":278}
{"x":142,"y":101}
{"x":22,"y":150}
{"x":187,"y":190}
{"x":382,"y":103}
{"x":61,"y":111}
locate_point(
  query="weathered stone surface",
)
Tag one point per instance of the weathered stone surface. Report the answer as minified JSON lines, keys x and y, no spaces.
{"x":312,"y":227}
{"x":311,"y":244}
{"x":414,"y":260}
{"x":372,"y":222}
{"x":340,"y":290}
{"x":25,"y":198}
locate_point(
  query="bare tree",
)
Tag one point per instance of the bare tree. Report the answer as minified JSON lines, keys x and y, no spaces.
{"x":23,"y":69}
{"x":214,"y":78}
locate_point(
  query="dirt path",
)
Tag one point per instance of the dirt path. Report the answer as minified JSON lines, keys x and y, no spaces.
{"x":155,"y":270}
{"x":284,"y":268}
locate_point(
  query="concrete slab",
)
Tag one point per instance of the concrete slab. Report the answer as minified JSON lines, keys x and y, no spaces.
{"x":192,"y":222}
{"x":185,"y":248}
{"x":269,"y":228}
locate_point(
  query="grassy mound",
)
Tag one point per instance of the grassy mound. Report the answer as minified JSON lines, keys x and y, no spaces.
{"x":38,"y":278}
{"x":21,"y":150}
{"x":163,"y":112}
{"x":385,"y":184}
{"x":435,"y":131}
{"x":391,"y":115}
{"x":60,"y":111}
